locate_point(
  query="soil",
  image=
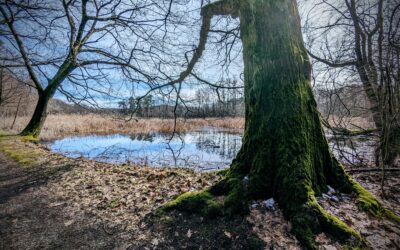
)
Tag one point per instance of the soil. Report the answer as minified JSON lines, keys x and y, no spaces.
{"x":61,"y":203}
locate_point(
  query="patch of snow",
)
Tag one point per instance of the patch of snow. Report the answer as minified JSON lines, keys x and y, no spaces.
{"x":269,"y":204}
{"x":253,"y":206}
{"x":334,"y":198}
{"x":325,"y":196}
{"x":346,"y":197}
{"x":189,"y":233}
{"x":331,"y":190}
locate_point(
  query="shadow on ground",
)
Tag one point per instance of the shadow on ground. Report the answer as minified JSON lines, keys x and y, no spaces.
{"x":180,"y":230}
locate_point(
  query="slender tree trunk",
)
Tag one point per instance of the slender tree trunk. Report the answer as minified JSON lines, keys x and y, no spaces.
{"x":284,"y":154}
{"x":38,"y":118}
{"x":389,"y":137}
{"x":393,"y":146}
{"x":35,"y":125}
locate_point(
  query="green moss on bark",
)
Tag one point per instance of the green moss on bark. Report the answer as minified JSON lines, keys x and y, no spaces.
{"x":284,"y":154}
{"x":368,"y":203}
{"x":202,"y":203}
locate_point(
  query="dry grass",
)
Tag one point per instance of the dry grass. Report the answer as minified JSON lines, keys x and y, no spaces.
{"x":58,"y":126}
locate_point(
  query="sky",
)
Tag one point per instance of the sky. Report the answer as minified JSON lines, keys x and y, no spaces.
{"x":182,"y":36}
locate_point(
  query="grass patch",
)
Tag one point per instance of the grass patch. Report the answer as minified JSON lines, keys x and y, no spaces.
{"x":15,"y":148}
{"x":29,"y":138}
{"x":3,"y":133}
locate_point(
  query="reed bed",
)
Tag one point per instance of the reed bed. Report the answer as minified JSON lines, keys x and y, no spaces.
{"x":58,"y":126}
{"x":61,"y":125}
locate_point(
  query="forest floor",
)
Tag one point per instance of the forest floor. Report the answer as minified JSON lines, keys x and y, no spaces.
{"x":48,"y":201}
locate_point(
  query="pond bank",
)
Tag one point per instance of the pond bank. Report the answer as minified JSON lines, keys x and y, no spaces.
{"x":56,"y":202}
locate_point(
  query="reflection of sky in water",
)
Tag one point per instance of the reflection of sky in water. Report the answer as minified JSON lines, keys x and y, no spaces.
{"x":356,"y":150}
{"x":202,"y":150}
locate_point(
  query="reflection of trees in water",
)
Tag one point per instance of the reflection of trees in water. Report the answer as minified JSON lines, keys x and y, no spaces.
{"x":143,"y":137}
{"x":175,"y":153}
{"x":224,"y":144}
{"x":212,"y":149}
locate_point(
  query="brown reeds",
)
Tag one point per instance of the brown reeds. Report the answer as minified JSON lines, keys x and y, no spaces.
{"x":58,"y":126}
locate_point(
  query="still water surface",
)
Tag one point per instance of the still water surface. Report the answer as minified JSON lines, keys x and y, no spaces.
{"x":204,"y":150}
{"x":201,"y":150}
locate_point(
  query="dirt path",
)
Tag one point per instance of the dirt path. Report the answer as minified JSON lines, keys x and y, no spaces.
{"x":60,"y":203}
{"x":12,"y":178}
{"x":31,"y":218}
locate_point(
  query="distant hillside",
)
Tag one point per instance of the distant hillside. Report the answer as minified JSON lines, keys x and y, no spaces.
{"x":57,"y":106}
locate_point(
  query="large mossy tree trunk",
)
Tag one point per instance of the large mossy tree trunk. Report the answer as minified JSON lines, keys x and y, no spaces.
{"x":284,"y":147}
{"x":285,"y":154}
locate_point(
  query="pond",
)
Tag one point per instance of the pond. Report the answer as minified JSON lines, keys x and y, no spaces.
{"x":205,"y":150}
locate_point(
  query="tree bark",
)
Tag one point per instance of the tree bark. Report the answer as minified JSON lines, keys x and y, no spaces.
{"x":1,"y":86}
{"x":394,"y":146}
{"x":39,"y":116}
{"x":284,"y":154}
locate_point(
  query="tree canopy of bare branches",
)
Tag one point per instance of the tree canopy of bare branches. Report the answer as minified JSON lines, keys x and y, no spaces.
{"x":357,"y":42}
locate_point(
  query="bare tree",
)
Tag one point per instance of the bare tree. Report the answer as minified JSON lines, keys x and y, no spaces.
{"x":357,"y":39}
{"x":76,"y":46}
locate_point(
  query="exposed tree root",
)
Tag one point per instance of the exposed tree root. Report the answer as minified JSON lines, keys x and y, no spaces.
{"x":312,"y":219}
{"x":308,"y":219}
{"x":368,"y":203}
